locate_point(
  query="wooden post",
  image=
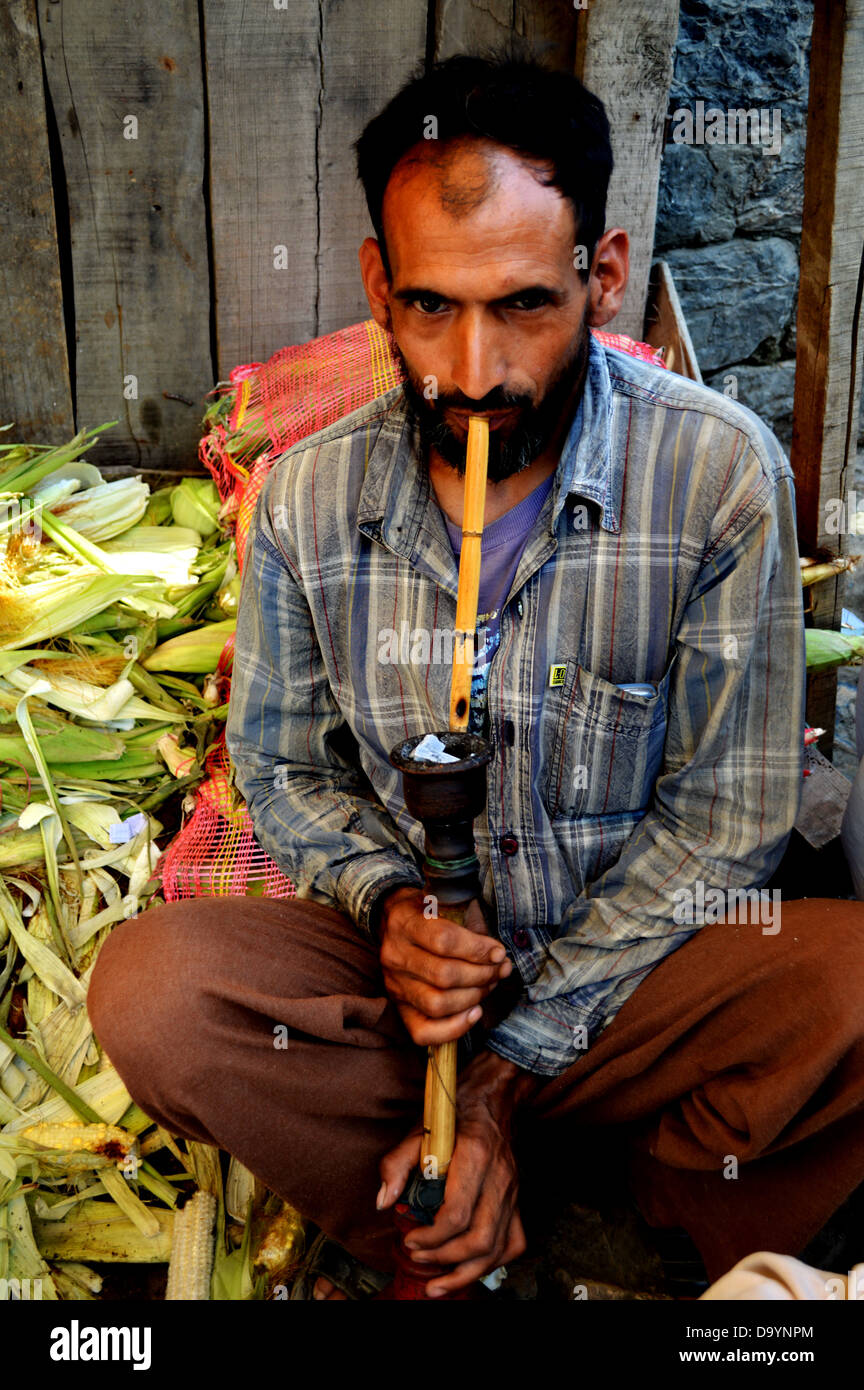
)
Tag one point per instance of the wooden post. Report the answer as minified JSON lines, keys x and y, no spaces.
{"x":827,"y":379}
{"x":625,"y":54}
{"x":34,"y":367}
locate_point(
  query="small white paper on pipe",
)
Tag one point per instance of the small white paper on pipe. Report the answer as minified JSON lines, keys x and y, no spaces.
{"x":432,"y":750}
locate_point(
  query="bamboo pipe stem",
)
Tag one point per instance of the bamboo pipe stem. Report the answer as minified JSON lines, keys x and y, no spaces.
{"x":439,"y":1108}
{"x":468,"y":591}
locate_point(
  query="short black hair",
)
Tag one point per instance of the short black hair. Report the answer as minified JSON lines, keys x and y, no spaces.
{"x":516,"y":102}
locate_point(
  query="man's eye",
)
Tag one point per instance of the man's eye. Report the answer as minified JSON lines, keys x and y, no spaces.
{"x":428,"y":303}
{"x":534,"y":299}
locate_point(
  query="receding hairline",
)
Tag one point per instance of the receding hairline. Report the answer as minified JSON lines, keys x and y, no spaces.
{"x":462,"y":190}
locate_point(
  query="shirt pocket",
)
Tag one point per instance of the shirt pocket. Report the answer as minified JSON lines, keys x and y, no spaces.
{"x":606,"y":747}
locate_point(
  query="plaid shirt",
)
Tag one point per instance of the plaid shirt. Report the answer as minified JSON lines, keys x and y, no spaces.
{"x":665,"y":555}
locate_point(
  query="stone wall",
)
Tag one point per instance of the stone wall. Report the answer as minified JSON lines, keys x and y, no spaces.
{"x":729,"y":214}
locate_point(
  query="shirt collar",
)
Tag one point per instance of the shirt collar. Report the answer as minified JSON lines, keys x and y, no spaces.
{"x":586,"y":467}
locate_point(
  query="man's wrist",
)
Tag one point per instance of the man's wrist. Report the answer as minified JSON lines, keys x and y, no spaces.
{"x":382,"y":901}
{"x":503,"y":1085}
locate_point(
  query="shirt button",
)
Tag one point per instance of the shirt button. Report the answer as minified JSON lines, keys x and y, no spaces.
{"x":509,"y":845}
{"x":521,"y":938}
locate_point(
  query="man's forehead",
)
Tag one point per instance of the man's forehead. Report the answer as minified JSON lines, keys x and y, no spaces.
{"x":477,"y":204}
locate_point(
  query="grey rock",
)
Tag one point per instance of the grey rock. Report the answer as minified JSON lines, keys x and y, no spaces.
{"x":734,"y":295}
{"x":695,"y":202}
{"x":769,"y":391}
{"x":766,"y":190}
{"x":753,"y":55}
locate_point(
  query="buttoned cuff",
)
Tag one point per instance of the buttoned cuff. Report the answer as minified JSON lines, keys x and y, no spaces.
{"x":365,"y":879}
{"x":545,"y":1037}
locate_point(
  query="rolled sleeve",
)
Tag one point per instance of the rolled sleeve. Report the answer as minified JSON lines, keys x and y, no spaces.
{"x":312,"y":808}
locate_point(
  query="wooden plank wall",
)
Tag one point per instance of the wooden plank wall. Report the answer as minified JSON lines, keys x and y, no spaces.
{"x":207,"y":206}
{"x":125,"y":82}
{"x":34,"y":369}
{"x":263,"y":77}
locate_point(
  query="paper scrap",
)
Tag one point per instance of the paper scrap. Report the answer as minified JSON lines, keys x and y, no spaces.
{"x":127,"y":829}
{"x":432,"y":750}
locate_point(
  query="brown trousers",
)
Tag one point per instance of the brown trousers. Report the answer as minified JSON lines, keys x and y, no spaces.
{"x":739,"y":1046}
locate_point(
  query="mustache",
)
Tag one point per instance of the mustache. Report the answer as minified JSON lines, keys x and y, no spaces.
{"x":494,"y":400}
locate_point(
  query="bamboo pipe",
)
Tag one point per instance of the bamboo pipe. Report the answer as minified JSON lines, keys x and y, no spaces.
{"x":439,"y":1108}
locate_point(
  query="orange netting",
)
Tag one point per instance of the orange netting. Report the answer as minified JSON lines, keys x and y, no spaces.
{"x":259,"y":413}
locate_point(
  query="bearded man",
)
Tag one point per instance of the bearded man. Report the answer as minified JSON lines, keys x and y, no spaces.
{"x":641,"y":684}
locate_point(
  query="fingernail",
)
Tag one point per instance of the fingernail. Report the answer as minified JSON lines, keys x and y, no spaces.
{"x":498,"y":954}
{"x":433,"y":1292}
{"x":410,"y":1245}
{"x":382,"y":1196}
{"x":475,"y":1013}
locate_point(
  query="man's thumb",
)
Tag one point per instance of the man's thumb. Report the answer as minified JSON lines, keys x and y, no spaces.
{"x":396,"y":1169}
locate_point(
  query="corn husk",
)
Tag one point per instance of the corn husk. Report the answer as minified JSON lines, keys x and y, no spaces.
{"x":827,"y":649}
{"x":98,"y":1232}
{"x":195,"y":503}
{"x":87,"y":725}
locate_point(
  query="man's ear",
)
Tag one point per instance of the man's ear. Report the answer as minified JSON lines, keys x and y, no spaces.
{"x":610,"y":272}
{"x":375,"y":281}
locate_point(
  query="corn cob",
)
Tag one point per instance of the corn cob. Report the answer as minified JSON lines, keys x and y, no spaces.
{"x":815,"y":572}
{"x":282,"y":1241}
{"x":192,"y":1250}
{"x":73,"y":1135}
{"x":196,"y":653}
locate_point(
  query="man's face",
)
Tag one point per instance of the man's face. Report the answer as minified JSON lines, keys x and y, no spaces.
{"x":488,"y":312}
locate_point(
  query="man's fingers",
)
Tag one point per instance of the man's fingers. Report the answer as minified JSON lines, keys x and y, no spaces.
{"x":462,"y":1276}
{"x":441,"y":972}
{"x":434,"y":1004}
{"x":427,"y":1032}
{"x":461,"y":1207}
{"x":478,"y":1267}
{"x":444,"y":938}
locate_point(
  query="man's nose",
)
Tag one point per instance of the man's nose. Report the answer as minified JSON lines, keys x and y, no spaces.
{"x":479,"y":365}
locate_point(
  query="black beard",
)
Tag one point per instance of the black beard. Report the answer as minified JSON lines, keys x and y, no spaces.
{"x":532,"y":434}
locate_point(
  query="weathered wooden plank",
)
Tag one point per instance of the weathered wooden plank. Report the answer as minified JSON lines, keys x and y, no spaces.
{"x":830,"y":255}
{"x":823,"y":800}
{"x":666,"y":326}
{"x":368,"y":50}
{"x":625,"y":53}
{"x":126,"y":83}
{"x":827,"y":378}
{"x":265,"y":113}
{"x":547,"y":27}
{"x":34,"y":367}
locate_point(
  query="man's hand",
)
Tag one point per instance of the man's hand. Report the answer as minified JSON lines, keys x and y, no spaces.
{"x":478,"y":1226}
{"x":437,"y":973}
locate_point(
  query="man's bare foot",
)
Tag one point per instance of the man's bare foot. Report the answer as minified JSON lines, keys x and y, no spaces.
{"x":324,"y":1288}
